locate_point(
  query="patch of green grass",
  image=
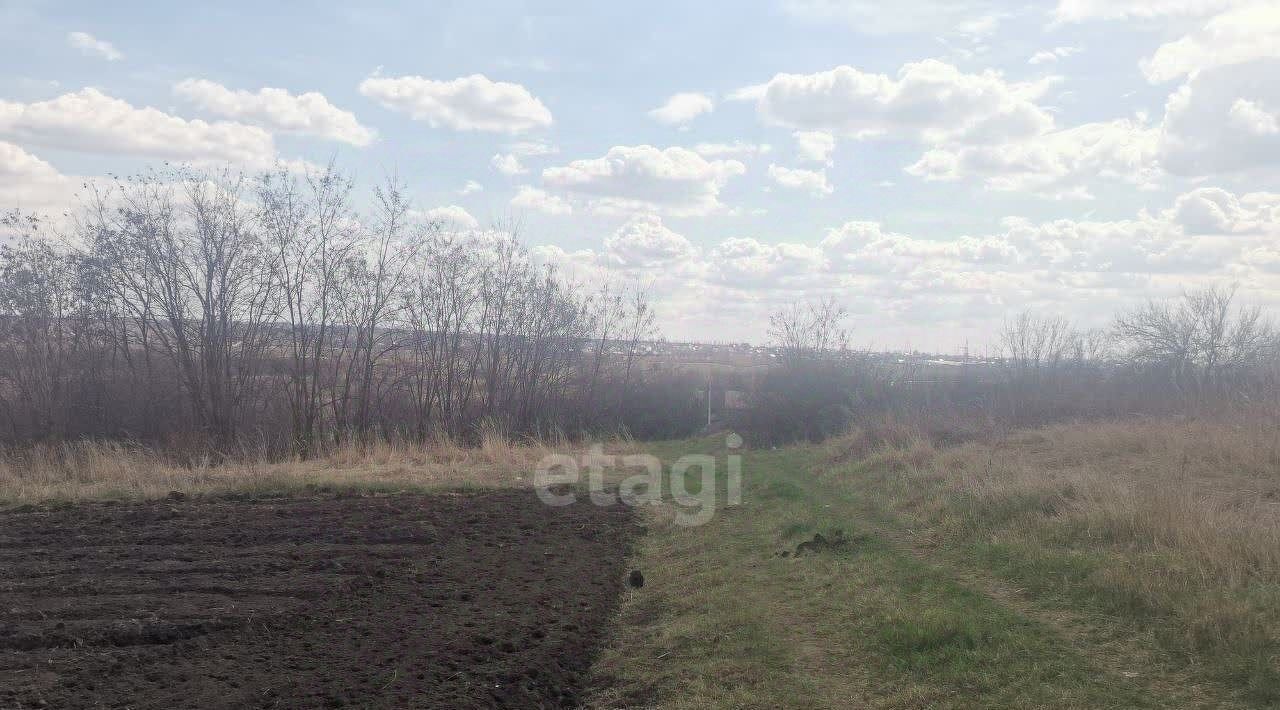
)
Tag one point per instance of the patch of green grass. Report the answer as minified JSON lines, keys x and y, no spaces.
{"x":1202,"y":628}
{"x":724,"y":621}
{"x":795,"y":529}
{"x":783,"y":490}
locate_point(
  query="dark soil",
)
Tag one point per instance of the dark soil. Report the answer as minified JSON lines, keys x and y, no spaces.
{"x":453,"y":600}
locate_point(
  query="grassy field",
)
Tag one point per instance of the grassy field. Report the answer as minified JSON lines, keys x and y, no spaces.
{"x":1105,"y":564}
{"x":1090,"y":565}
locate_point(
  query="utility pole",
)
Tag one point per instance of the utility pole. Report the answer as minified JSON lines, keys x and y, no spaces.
{"x":708,"y":400}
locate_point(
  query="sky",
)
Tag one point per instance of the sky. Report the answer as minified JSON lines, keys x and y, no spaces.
{"x":937,"y":167}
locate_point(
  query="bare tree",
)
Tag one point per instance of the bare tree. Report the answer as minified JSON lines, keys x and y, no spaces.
{"x":310,"y":237}
{"x":273,"y":309}
{"x":187,"y":257}
{"x":1034,"y":347}
{"x":1202,"y":344}
{"x":640,"y":325}
{"x":43,"y":340}
{"x":375,"y":279}
{"x":808,"y":328}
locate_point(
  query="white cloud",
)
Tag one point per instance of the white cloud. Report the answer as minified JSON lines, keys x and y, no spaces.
{"x":452,"y":215}
{"x":1249,"y":116}
{"x":89,"y":121}
{"x":734,"y":149}
{"x":471,"y":187}
{"x":682,"y":108}
{"x":532,"y":149}
{"x":29,"y":183}
{"x":969,"y":17}
{"x":1046,"y":56}
{"x":812,"y":181}
{"x":508,"y":164}
{"x":1057,"y":164}
{"x":929,"y":101}
{"x":278,"y":110}
{"x":863,"y":247}
{"x":529,"y":197}
{"x":748,"y":263}
{"x":1084,"y":268}
{"x":644,"y":242}
{"x":94,"y":47}
{"x":1212,"y":210}
{"x":1221,"y":121}
{"x":1082,"y":10}
{"x":674,"y":180}
{"x":754,"y":92}
{"x":1236,"y":36}
{"x":1218,"y":122}
{"x":814,"y":146}
{"x":470,"y":103}
{"x":1206,"y":210}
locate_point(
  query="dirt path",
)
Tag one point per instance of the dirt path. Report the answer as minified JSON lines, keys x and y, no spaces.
{"x":451,"y":600}
{"x":746,"y":612}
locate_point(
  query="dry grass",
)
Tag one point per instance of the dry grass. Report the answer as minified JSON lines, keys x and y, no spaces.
{"x":102,"y":470}
{"x":1174,"y":523}
{"x":1207,"y":492}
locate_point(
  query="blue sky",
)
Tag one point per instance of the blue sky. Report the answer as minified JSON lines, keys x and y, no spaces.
{"x":938,"y":166}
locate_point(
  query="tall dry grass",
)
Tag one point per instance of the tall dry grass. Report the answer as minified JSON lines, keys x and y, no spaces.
{"x":1171,"y":522}
{"x":86,"y":470}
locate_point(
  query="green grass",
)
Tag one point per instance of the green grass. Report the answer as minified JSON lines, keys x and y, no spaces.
{"x":726,"y":621}
{"x":1204,"y":633}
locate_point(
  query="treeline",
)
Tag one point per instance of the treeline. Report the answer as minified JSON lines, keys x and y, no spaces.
{"x":215,"y":312}
{"x":1195,"y":354}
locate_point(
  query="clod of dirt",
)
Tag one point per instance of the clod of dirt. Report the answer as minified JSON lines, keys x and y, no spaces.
{"x":820,"y":543}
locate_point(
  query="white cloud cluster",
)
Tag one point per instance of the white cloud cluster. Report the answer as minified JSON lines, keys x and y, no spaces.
{"x":309,"y":113}
{"x":1214,"y":211}
{"x":812,"y":181}
{"x":94,"y":47}
{"x":29,"y":183}
{"x":1224,"y":118}
{"x":674,"y":180}
{"x":1251,"y":117}
{"x":451,"y":215}
{"x":930,"y":101}
{"x":1046,"y":56}
{"x":531,"y":198}
{"x":532,"y":149}
{"x":1068,"y":11}
{"x":1059,"y":163}
{"x":748,"y":264}
{"x":736,"y":149}
{"x":90,"y":121}
{"x":470,"y":103}
{"x":814,"y":146}
{"x":964,"y":17}
{"x":508,"y":164}
{"x":644,"y":242}
{"x":1204,"y":236}
{"x":1223,"y":121}
{"x":682,"y":108}
{"x":1239,"y":35}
